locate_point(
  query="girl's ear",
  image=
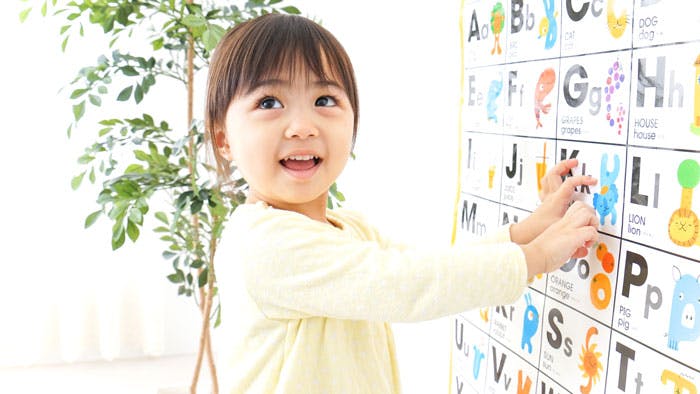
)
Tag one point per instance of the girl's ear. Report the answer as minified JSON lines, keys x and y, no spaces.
{"x":222,"y":146}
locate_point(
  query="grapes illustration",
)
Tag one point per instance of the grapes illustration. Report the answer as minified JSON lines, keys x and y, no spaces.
{"x":615,"y":115}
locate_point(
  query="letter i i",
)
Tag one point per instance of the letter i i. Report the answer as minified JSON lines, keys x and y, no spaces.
{"x":695,"y":126}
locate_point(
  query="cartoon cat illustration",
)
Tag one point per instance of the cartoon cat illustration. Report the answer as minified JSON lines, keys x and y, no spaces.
{"x":616,"y":24}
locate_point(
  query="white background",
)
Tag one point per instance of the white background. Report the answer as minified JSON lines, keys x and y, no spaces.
{"x":406,"y":57}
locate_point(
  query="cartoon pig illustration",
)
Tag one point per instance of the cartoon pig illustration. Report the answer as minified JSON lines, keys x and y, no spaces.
{"x":685,"y":309}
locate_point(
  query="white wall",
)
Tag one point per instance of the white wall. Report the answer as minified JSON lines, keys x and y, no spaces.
{"x":406,"y":56}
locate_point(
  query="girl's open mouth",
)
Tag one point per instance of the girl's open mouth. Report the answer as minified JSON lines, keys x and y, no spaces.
{"x":301,"y":166}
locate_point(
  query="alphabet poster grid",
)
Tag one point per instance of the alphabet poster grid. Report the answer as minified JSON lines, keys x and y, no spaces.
{"x":615,"y":84}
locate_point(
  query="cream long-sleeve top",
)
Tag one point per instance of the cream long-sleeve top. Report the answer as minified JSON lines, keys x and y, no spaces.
{"x":306,"y":305}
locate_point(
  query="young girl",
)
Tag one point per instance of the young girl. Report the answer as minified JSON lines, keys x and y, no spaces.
{"x":308,"y":293}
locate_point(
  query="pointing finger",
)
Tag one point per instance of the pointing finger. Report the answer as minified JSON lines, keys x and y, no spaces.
{"x":563,"y":167}
{"x":573,"y":182}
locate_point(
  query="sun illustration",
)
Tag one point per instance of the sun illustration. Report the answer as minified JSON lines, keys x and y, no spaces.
{"x":590,"y":362}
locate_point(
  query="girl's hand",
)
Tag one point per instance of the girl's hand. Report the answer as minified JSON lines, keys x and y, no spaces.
{"x":571,"y":236}
{"x":556,"y":197}
{"x":559,"y":192}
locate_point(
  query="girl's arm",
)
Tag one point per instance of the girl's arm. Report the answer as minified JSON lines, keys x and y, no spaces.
{"x":295,"y":267}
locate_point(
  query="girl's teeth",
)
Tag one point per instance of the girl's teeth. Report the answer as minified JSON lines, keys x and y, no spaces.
{"x":305,"y":157}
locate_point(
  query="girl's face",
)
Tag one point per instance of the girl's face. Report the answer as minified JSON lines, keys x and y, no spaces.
{"x":290,"y":138}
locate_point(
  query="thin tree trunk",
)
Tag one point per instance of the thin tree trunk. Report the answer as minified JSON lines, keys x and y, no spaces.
{"x":205,"y":304}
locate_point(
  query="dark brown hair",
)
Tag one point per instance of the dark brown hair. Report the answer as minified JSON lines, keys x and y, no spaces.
{"x":268,"y":46}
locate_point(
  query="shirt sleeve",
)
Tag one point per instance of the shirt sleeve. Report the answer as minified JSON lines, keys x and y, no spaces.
{"x":295,"y":267}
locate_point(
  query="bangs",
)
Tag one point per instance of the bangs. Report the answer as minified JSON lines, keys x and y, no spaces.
{"x":285,"y":45}
{"x":290,"y":49}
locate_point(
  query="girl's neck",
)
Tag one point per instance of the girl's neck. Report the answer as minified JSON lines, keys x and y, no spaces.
{"x":315,"y":210}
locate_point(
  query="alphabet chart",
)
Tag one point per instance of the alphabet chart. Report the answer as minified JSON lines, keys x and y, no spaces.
{"x":615,"y":84}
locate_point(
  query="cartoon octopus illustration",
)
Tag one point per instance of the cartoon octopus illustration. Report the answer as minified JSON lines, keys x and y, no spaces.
{"x":544,"y":86}
{"x":590,"y":362}
{"x":498,"y":18}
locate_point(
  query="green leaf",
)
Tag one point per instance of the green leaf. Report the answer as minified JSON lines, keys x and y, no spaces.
{"x":190,"y":278}
{"x":197,"y":263}
{"x":196,"y":206}
{"x":168,"y":254}
{"x":129,"y":71}
{"x":162,"y":217}
{"x":291,"y":10}
{"x":43,"y":9}
{"x":79,"y":110}
{"x":77,"y":93}
{"x":85,"y":159}
{"x":102,"y":89}
{"x":141,"y":155}
{"x":92,"y":175}
{"x":69,"y":130}
{"x":211,"y":36}
{"x":110,"y":122}
{"x":134,"y":169}
{"x":118,"y":238}
{"x":77,"y":180}
{"x":194,"y":20}
{"x":157,"y":44}
{"x":218,"y":317}
{"x":95,"y":100}
{"x":132,"y":230}
{"x":177,"y":277}
{"x":136,"y":216}
{"x":24,"y":14}
{"x":150,"y":80}
{"x":138,"y":94}
{"x":64,"y":28}
{"x":91,"y":218}
{"x":64,"y":44}
{"x":125,"y":93}
{"x":203,"y":277}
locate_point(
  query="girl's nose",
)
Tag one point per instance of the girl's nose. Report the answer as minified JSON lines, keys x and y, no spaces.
{"x":301,"y":126}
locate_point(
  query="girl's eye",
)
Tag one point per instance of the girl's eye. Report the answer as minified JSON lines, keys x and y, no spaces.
{"x":325,"y":101}
{"x":269,"y":103}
